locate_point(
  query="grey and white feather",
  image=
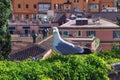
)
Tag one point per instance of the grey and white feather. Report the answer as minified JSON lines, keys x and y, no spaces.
{"x":63,"y":46}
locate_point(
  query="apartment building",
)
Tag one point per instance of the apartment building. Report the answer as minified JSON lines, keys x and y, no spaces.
{"x":83,"y":28}
{"x":30,"y":9}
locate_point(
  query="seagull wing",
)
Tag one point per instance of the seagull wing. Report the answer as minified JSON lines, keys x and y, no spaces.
{"x":65,"y":48}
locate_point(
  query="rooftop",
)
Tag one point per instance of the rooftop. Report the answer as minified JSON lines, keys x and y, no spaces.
{"x":38,"y":50}
{"x":112,"y":16}
{"x":100,"y":24}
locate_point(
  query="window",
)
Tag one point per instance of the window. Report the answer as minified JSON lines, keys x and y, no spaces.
{"x":106,"y":6}
{"x":11,"y":29}
{"x":35,"y":6}
{"x":76,"y":8}
{"x":44,"y":7}
{"x":65,"y":33}
{"x":118,"y":4}
{"x":67,"y":7}
{"x":11,"y":16}
{"x":76,"y":1}
{"x":79,"y":33}
{"x":27,"y":16}
{"x":94,"y":6}
{"x":27,"y":6}
{"x":19,"y":16}
{"x":19,"y":6}
{"x":33,"y":16}
{"x":61,"y":6}
{"x":60,"y":32}
{"x":90,"y":33}
{"x":116,"y":34}
{"x":56,"y":6}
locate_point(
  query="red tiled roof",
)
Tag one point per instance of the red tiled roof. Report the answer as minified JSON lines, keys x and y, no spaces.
{"x":37,"y":50}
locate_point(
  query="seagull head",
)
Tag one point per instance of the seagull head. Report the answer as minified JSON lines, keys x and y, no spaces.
{"x":55,"y":30}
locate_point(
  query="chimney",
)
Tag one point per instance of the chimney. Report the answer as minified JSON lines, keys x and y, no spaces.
{"x":80,"y":20}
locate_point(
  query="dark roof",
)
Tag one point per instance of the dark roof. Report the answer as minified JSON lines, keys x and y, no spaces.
{"x":112,"y":16}
{"x":35,"y":50}
{"x":58,"y":16}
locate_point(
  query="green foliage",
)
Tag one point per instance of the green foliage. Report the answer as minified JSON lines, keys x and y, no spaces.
{"x":78,"y":68}
{"x":5,"y":38}
{"x":61,"y":67}
{"x":111,"y":56}
{"x":57,"y":67}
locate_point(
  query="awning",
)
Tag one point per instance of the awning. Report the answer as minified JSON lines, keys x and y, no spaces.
{"x":47,"y":26}
{"x":11,"y":28}
{"x":26,"y":27}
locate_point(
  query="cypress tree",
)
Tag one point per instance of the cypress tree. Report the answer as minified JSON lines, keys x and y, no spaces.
{"x":5,"y":38}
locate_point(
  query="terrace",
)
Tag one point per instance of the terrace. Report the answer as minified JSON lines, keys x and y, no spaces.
{"x":98,"y":25}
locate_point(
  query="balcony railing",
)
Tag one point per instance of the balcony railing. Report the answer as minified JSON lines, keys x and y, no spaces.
{"x":28,"y":22}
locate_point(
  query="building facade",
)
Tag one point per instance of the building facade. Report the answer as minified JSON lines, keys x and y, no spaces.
{"x":107,"y":32}
{"x":30,"y":9}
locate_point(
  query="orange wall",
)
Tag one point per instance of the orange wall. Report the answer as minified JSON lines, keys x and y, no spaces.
{"x":106,"y":2}
{"x":31,"y":9}
{"x":26,"y":11}
{"x":80,"y":4}
{"x":23,"y":8}
{"x":23,"y":3}
{"x":94,"y":2}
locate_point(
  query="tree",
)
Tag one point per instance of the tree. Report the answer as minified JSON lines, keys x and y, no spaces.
{"x":5,"y":38}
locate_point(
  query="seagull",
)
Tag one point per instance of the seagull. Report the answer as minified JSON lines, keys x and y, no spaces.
{"x":64,"y":47}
